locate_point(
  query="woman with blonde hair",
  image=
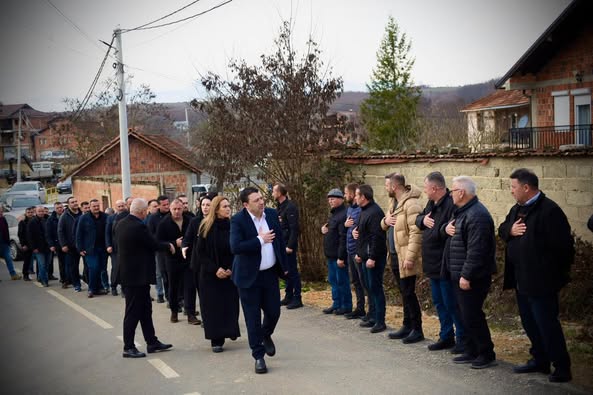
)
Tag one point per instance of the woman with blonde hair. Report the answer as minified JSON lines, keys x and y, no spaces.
{"x":219,"y":298}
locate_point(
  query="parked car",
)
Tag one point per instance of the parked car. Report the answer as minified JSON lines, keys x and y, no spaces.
{"x":29,"y":188}
{"x":13,"y":231}
{"x":65,"y":186}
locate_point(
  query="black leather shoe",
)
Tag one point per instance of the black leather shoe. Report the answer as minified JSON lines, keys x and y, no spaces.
{"x":52,"y":277}
{"x":329,"y":310}
{"x":114,"y":291}
{"x":158,"y":346}
{"x":464,"y":358}
{"x":367,"y":324}
{"x":402,"y":332}
{"x":442,"y":344}
{"x":217,"y":349}
{"x":286,"y":301}
{"x":269,"y":346}
{"x":133,"y":353}
{"x":342,"y":311}
{"x":415,"y":336}
{"x":260,"y":366}
{"x":193,"y":320}
{"x":458,"y":349}
{"x":560,"y":376}
{"x":160,"y":299}
{"x":378,"y":328}
{"x":483,"y":362}
{"x":295,"y":304}
{"x":532,"y":367}
{"x":354,"y":314}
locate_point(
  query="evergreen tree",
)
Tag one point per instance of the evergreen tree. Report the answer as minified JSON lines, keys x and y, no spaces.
{"x":389,"y":114}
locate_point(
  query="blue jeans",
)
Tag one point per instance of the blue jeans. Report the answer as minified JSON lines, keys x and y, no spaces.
{"x":42,"y":259}
{"x":96,"y":263}
{"x":539,"y":316}
{"x":72,"y":263}
{"x":5,"y":254}
{"x":159,"y":280}
{"x":374,"y":279}
{"x":339,"y":280}
{"x":445,"y":303}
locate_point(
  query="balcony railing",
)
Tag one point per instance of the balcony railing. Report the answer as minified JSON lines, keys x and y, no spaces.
{"x":550,"y":137}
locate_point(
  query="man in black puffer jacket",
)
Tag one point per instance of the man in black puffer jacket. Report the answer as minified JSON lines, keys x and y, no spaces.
{"x":470,"y":262}
{"x":437,"y":212}
{"x":371,"y":251}
{"x":334,"y":248}
{"x":540,"y":250}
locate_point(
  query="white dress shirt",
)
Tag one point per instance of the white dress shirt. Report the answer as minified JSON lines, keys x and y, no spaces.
{"x":268,"y":258}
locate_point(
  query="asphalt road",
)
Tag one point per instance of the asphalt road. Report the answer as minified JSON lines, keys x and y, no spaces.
{"x":56,"y":341}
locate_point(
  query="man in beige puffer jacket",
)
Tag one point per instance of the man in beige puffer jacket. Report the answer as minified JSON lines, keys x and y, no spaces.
{"x":408,"y":244}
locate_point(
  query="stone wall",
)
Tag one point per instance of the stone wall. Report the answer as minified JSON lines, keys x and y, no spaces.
{"x":568,"y":180}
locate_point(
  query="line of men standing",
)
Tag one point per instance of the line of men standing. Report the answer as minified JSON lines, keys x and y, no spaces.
{"x":452,"y":241}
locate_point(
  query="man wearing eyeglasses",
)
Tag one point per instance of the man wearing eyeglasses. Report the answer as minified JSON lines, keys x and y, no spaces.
{"x":469,"y":261}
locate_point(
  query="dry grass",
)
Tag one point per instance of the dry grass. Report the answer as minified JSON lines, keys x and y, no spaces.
{"x":510,"y":345}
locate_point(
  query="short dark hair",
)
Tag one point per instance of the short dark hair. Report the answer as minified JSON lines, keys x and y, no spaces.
{"x":161,"y":198}
{"x":244,"y":195}
{"x":152,"y":200}
{"x":281,"y":188}
{"x":526,"y":176}
{"x":56,"y":203}
{"x":94,"y":200}
{"x":351,"y":187}
{"x":436,"y":178}
{"x":83,"y":203}
{"x":366,"y":191}
{"x":396,"y":178}
{"x":68,"y":200}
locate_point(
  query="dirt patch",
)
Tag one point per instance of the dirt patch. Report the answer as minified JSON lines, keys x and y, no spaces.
{"x":510,"y":345}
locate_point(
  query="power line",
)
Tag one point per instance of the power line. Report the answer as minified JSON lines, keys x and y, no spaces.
{"x":76,"y":27}
{"x":89,"y":93}
{"x":179,"y":20}
{"x":163,"y":17}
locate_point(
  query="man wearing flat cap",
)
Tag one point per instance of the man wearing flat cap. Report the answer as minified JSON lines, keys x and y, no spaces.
{"x":334,"y":247}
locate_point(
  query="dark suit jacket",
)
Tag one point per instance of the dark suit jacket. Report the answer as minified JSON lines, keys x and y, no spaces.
{"x":135,"y":252}
{"x":247,"y":248}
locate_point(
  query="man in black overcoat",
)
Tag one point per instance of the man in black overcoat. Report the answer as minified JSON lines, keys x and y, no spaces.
{"x":136,"y":270}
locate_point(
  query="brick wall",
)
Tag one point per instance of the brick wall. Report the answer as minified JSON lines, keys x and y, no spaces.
{"x":566,"y":180}
{"x":143,"y":159}
{"x":575,"y":56}
{"x":87,"y":189}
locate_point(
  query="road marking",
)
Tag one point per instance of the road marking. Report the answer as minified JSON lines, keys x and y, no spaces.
{"x":163,"y":368}
{"x":81,"y":310}
{"x":193,"y":393}
{"x":121,"y":338}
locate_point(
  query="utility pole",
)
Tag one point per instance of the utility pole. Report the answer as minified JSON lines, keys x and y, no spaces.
{"x":187,"y":126}
{"x":123,"y":120}
{"x":18,"y":148}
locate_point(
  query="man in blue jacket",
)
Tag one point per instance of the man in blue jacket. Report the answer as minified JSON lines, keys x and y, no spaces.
{"x":260,"y":257}
{"x":90,"y":242}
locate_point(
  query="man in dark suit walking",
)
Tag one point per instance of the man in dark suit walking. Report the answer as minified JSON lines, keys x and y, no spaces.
{"x":136,"y":270}
{"x":260,"y":257}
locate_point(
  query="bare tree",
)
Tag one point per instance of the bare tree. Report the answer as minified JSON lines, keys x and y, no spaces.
{"x":272,"y":118}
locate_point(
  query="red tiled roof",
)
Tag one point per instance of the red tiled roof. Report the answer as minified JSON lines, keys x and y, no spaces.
{"x":160,"y":143}
{"x":497,"y":100}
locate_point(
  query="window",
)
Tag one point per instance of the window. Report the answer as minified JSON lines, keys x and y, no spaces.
{"x":480,"y":121}
{"x":514,"y":118}
{"x":561,"y":110}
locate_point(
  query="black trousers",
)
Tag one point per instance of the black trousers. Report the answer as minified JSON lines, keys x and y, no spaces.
{"x":27,"y":262}
{"x":180,"y":286}
{"x":478,"y":341}
{"x":355,"y":280}
{"x":407,"y":286}
{"x":138,"y":309}
{"x":293,"y":282}
{"x":114,"y":279}
{"x":62,"y":265}
{"x":539,"y":316}
{"x":397,"y":280}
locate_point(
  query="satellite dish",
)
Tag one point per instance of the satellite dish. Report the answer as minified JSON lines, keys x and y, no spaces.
{"x":523,"y":121}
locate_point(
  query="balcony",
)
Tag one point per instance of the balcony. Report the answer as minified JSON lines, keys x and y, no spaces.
{"x":551,"y":137}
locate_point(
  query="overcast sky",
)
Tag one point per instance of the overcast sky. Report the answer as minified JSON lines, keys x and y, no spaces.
{"x":45,"y":58}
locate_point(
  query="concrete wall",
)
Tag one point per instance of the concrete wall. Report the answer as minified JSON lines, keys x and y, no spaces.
{"x":566,"y":180}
